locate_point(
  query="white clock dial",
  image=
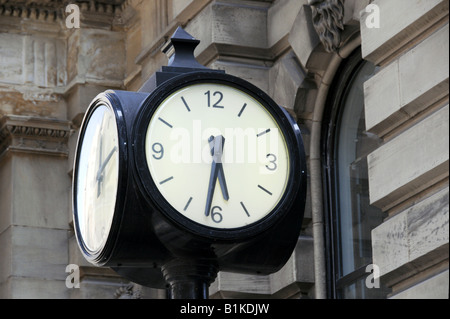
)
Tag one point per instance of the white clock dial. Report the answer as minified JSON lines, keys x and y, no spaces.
{"x":217,"y":155}
{"x":97,"y":177}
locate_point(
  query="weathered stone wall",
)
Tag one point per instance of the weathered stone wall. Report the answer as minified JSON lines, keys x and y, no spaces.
{"x":49,"y":74}
{"x":407,"y":104}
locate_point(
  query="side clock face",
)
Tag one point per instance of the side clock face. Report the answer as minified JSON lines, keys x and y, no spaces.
{"x":96,"y":177}
{"x":217,"y":155}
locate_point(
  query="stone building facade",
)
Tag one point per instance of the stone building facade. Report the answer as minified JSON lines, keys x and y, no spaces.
{"x":367,"y":82}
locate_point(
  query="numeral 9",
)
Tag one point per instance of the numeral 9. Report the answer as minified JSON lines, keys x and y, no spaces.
{"x":158,"y":149}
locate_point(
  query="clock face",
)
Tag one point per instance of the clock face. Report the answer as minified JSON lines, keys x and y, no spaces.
{"x":217,"y":155}
{"x":97,"y":173}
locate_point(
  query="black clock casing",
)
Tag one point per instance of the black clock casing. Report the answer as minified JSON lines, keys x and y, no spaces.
{"x":128,"y":237}
{"x":262,"y":247}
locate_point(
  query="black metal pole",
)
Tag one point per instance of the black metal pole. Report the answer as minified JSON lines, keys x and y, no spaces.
{"x":189,"y":279}
{"x":194,"y":289}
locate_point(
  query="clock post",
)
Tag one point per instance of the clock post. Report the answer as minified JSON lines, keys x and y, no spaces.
{"x":189,"y":279}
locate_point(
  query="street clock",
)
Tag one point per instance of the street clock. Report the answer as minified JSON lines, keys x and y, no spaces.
{"x":196,"y":173}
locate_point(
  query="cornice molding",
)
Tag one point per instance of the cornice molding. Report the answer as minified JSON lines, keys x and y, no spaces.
{"x":34,"y":135}
{"x":54,"y":10}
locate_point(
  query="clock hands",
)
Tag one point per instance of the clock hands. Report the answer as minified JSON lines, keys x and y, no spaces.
{"x":216,"y":145}
{"x":99,"y":181}
{"x":103,"y":166}
{"x":217,"y":157}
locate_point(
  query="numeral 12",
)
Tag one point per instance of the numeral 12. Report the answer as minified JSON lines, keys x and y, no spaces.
{"x":219,"y":99}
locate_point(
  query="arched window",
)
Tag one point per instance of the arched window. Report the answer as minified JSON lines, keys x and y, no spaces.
{"x":346,"y":144}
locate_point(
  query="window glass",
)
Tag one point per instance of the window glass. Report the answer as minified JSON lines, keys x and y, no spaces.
{"x":353,"y":145}
{"x":353,"y":218}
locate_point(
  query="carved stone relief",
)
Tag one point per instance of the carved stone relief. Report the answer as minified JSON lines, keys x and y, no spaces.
{"x":131,"y":291}
{"x":328,"y":20}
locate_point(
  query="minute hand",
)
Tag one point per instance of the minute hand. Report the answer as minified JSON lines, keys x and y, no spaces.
{"x":103,"y":165}
{"x":216,"y":144}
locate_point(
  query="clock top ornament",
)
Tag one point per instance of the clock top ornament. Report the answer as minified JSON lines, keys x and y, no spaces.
{"x":181,"y":59}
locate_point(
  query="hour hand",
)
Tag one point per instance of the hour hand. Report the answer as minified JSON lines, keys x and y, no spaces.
{"x":222,"y":182}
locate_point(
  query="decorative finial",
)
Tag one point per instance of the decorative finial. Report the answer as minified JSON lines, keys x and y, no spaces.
{"x":180,"y":50}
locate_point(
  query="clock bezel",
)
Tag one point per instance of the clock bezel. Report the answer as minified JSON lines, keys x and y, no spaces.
{"x":156,"y":199}
{"x":101,"y":255}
